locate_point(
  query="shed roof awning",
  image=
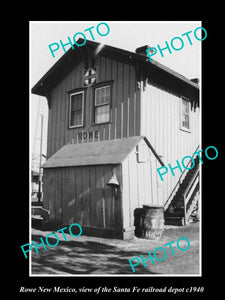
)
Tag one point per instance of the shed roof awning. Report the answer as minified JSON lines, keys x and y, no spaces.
{"x":96,"y":153}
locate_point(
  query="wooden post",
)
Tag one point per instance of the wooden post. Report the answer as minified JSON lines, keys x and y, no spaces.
{"x":103,"y":211}
{"x":185,"y":221}
{"x":40,"y":163}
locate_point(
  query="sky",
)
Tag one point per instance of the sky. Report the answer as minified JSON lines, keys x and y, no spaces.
{"x":125,"y":35}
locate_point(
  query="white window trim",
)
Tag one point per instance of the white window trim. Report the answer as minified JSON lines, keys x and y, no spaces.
{"x":81,"y":125}
{"x":189,"y":110}
{"x":107,"y":103}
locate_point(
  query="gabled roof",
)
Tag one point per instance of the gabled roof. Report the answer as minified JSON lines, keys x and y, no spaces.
{"x":158,"y":72}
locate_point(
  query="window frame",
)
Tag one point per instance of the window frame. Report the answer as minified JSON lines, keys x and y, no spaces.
{"x":99,"y":86}
{"x":82,"y":118}
{"x":181,"y":114}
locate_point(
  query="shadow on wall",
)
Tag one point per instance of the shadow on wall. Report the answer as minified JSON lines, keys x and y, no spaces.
{"x":85,"y":257}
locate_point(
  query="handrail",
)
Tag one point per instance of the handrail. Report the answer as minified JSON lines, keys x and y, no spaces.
{"x":178,"y":183}
{"x":189,"y":211}
{"x":188,"y":192}
{"x":153,"y":151}
{"x":188,"y":188}
{"x":192,"y":190}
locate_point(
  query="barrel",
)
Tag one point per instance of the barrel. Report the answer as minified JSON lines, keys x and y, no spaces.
{"x":153,"y":221}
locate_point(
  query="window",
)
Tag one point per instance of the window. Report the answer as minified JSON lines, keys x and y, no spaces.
{"x":76,"y":109}
{"x":185,"y":114}
{"x":102,"y":104}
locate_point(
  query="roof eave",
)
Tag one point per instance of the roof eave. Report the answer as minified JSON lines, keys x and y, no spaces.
{"x":42,"y":86}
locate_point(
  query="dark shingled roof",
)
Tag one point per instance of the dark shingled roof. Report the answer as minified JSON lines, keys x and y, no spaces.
{"x":160,"y":74}
{"x":96,"y":153}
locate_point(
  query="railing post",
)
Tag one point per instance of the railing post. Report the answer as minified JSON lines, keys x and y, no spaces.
{"x":185,"y":221}
{"x":176,"y":187}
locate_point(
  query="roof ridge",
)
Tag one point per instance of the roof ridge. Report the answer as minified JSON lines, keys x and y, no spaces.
{"x":40,"y":89}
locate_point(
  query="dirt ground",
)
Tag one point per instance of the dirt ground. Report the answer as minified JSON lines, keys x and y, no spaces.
{"x":92,"y":255}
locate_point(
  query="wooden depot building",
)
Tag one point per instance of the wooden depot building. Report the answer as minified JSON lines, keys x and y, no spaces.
{"x":114,"y":118}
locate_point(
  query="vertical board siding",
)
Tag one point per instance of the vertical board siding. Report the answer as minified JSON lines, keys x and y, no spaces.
{"x":99,"y":197}
{"x":82,"y":195}
{"x":86,"y":195}
{"x":125,"y":106}
{"x":69,"y":197}
{"x":57,"y":122}
{"x":49,"y":193}
{"x":109,"y":203}
{"x":162,"y":128}
{"x":132,"y":102}
{"x":114,"y":71}
{"x":126,"y":195}
{"x":137,"y":184}
{"x":118,"y":210}
{"x":79,"y":213}
{"x":133,"y":187}
{"x":93,"y":199}
{"x":59,"y":201}
{"x":125,"y":97}
{"x":119,"y":95}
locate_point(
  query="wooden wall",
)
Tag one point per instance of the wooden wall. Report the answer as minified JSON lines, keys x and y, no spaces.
{"x":125,"y":112}
{"x":153,"y":112}
{"x":160,"y":123}
{"x":81,"y":194}
{"x":139,"y":183}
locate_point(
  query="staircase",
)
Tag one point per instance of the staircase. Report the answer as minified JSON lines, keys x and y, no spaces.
{"x":184,"y":198}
